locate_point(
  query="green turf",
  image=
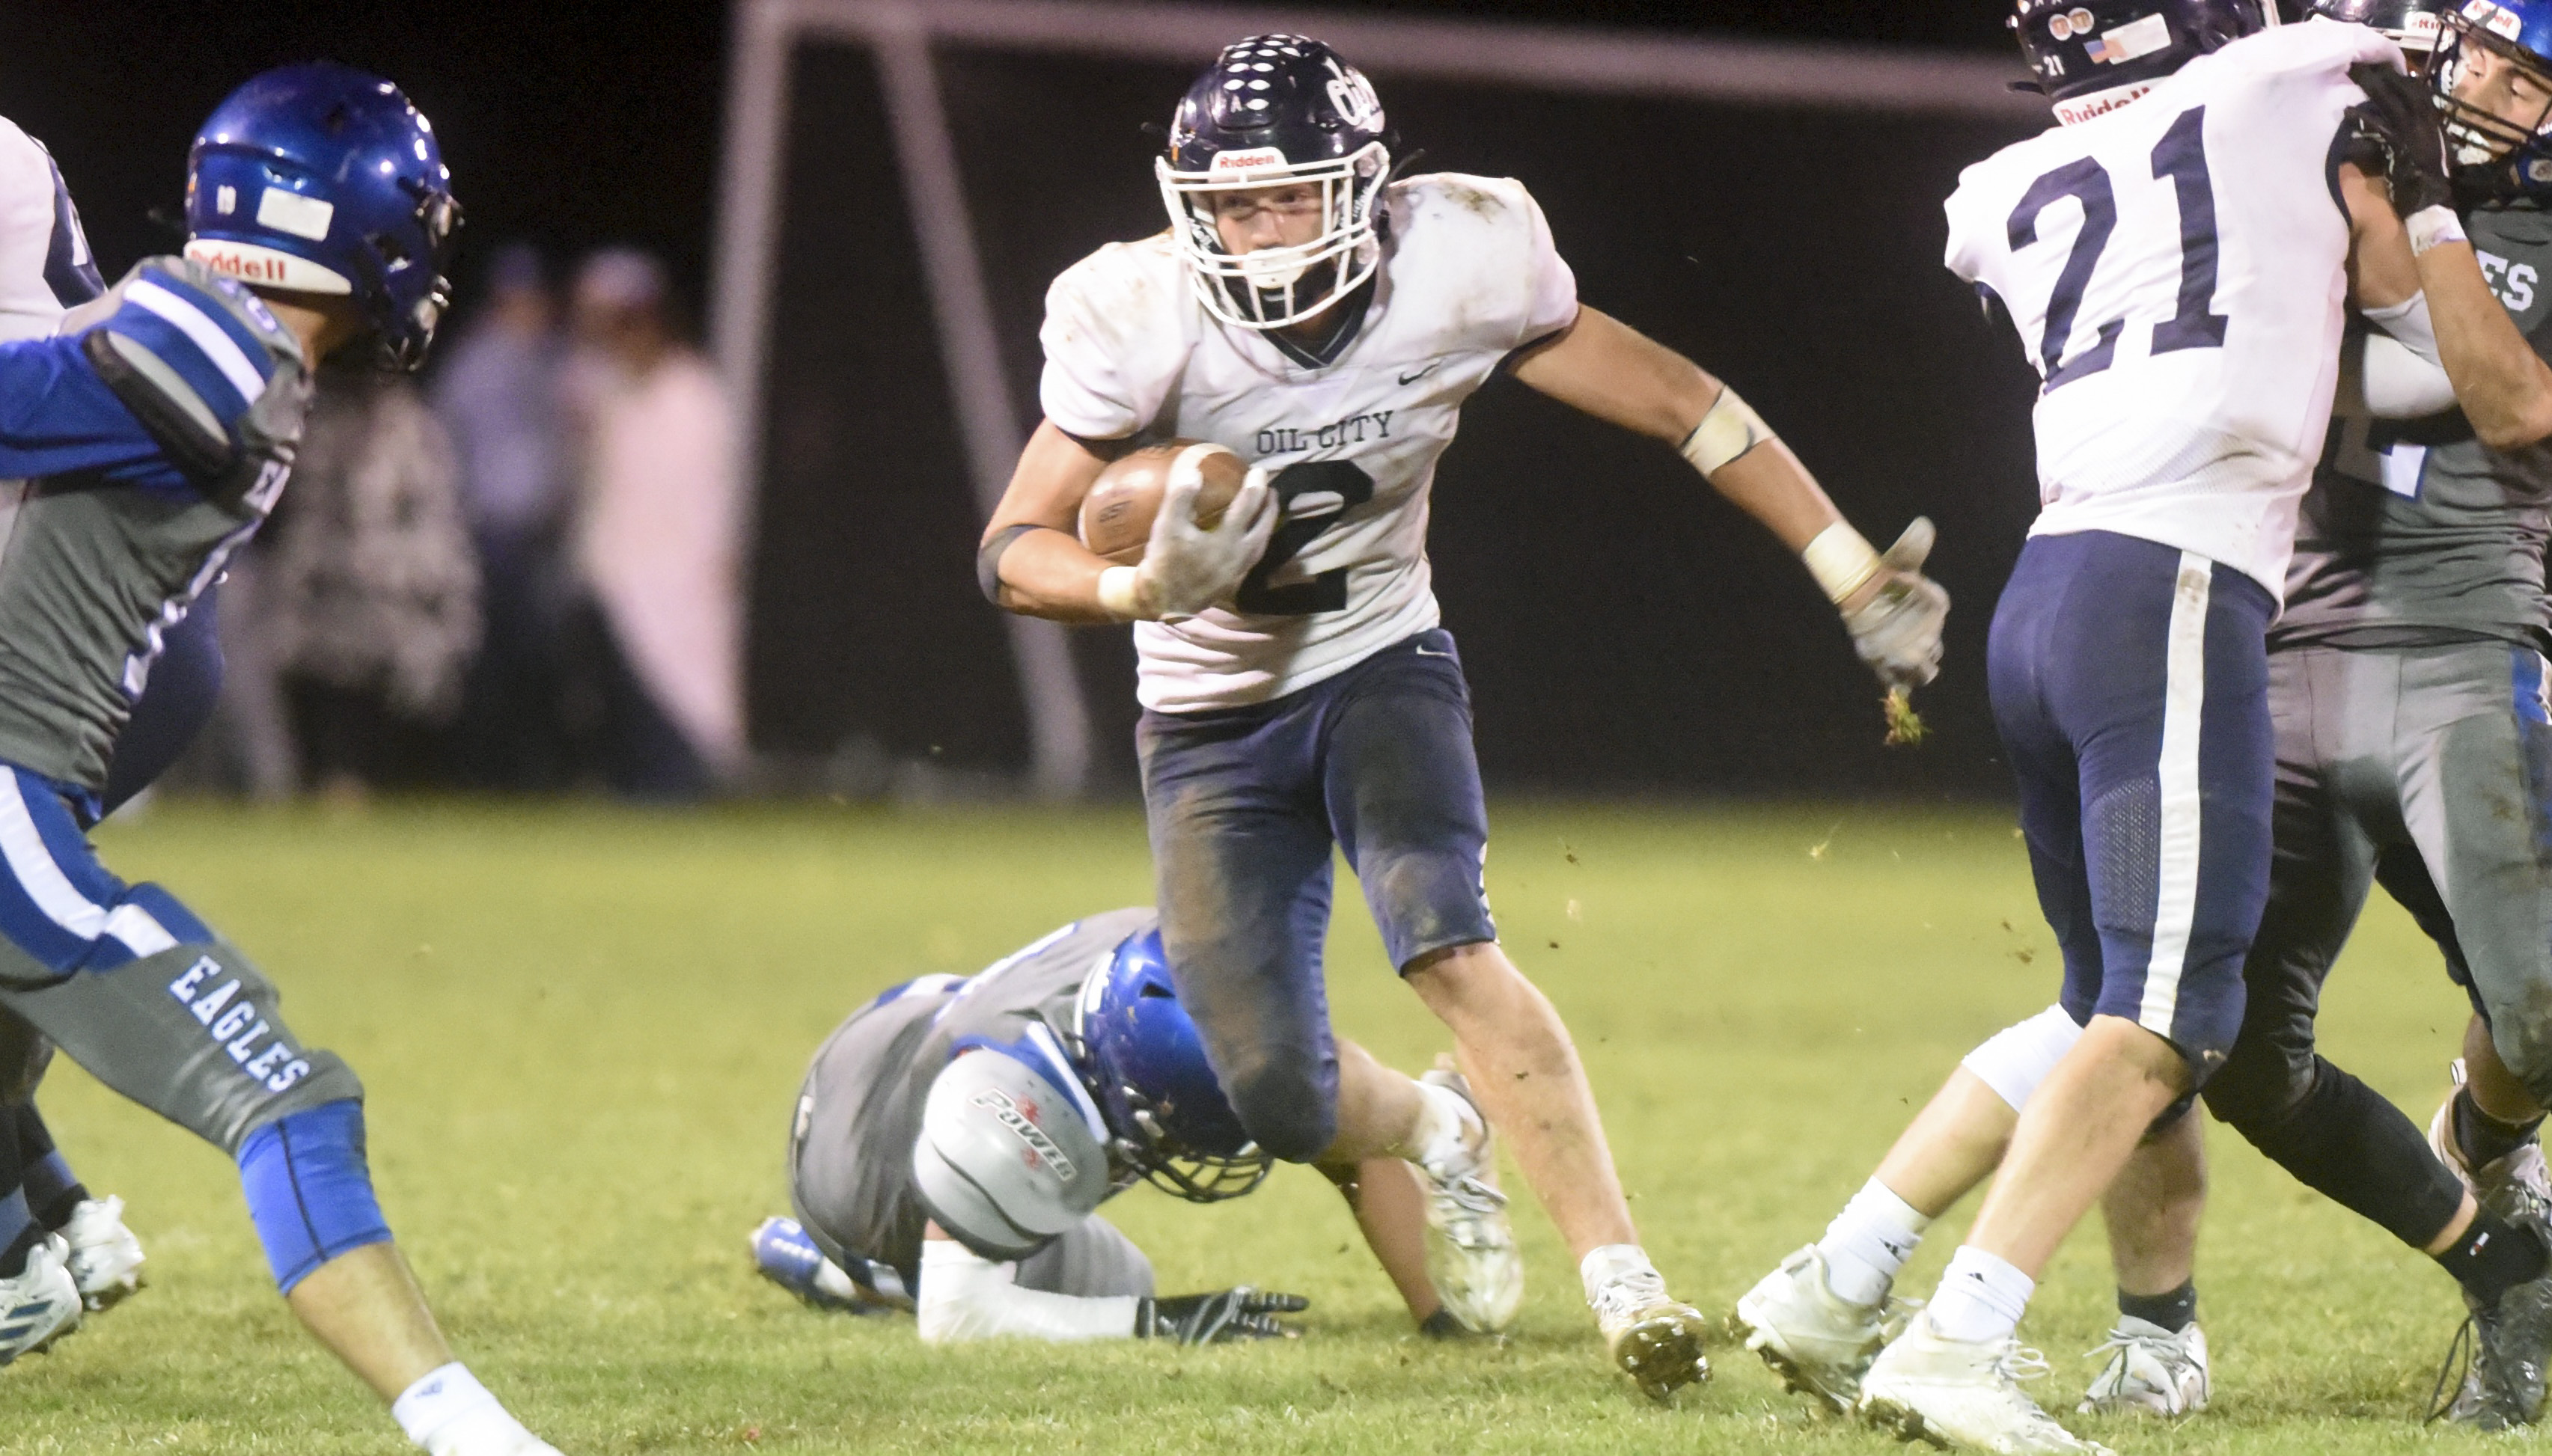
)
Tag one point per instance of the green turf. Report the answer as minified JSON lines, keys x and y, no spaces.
{"x":581,"y":1030}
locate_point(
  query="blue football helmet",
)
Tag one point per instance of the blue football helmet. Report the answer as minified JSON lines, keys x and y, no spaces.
{"x":2091,"y":55}
{"x":1169,"y":1118}
{"x":2497,"y":158}
{"x":321,"y":178}
{"x":1274,"y":110}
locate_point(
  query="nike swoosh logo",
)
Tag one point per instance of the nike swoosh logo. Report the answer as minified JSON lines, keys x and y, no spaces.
{"x":1413,"y":379}
{"x":1429,"y":652}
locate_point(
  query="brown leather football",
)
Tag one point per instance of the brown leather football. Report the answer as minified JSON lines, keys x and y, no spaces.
{"x":1117,"y":515}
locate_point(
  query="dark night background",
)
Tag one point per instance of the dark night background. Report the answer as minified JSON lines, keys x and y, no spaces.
{"x":1623,"y":628}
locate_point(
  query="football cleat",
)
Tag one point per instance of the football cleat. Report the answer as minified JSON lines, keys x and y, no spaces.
{"x":1471,"y":1255}
{"x":1819,"y":1342}
{"x":493,"y":1433}
{"x":1963,"y":1393}
{"x":2510,"y":1345}
{"x":105,"y":1259}
{"x":1653,"y":1339}
{"x":785,"y":1256}
{"x":2511,"y":1187}
{"x":40,"y":1305}
{"x":2151,"y":1371}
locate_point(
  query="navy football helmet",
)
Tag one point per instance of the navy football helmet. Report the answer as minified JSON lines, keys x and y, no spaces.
{"x":2498,"y":156}
{"x":2409,"y":24}
{"x":322,"y":178}
{"x":1170,"y":1118}
{"x":2094,"y":55}
{"x":1274,"y":110}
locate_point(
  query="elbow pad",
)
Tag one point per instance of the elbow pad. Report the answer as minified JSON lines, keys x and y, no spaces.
{"x":988,"y":561}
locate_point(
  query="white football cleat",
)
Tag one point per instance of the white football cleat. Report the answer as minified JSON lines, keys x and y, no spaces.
{"x":2509,"y":1186}
{"x":2152,"y":1371}
{"x":1965,"y":1394}
{"x":105,"y":1258}
{"x":1471,"y":1255}
{"x":40,"y":1306}
{"x":1818,"y":1341}
{"x":490,"y":1431}
{"x":1652,"y":1338}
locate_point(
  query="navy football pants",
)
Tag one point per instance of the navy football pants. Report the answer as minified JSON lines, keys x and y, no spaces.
{"x":2130,"y":686}
{"x":1245,"y":804}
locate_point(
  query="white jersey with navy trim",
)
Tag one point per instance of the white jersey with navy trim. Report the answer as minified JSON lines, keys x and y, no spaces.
{"x":2176,"y":268}
{"x":44,"y":263}
{"x":1469,"y":274}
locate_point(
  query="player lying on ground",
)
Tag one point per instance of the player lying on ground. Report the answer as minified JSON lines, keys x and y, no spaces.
{"x":156,"y":434}
{"x":1325,"y":320}
{"x":2407,"y":679}
{"x":2177,"y":430}
{"x":955,"y":1135}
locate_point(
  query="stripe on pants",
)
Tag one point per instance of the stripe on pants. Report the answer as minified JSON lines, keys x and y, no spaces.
{"x":2184,"y":717}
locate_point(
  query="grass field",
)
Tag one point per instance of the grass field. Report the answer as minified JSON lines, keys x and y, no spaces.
{"x":581,"y":1030}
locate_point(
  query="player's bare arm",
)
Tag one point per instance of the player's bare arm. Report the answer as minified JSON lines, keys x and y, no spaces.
{"x":1616,"y":374}
{"x":1041,"y":568}
{"x":2503,"y":386}
{"x":1187,"y":567}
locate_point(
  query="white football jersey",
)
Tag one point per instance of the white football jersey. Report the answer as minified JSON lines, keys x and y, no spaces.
{"x":1468,"y":275}
{"x":2176,"y":268}
{"x":35,"y":216}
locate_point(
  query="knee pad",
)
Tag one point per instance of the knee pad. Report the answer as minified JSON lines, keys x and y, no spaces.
{"x":1292,"y":1116}
{"x":309,"y":1190}
{"x":2343,"y":1140}
{"x":2016,"y":1058}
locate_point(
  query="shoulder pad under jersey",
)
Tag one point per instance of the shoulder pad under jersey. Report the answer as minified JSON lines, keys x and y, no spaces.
{"x":200,"y":361}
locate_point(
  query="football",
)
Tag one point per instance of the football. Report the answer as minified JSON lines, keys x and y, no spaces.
{"x":1117,"y":515}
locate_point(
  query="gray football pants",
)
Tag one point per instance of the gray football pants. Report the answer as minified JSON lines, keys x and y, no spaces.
{"x":2425,"y":769}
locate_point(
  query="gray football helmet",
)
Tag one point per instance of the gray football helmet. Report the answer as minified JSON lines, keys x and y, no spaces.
{"x":1007,"y":1157}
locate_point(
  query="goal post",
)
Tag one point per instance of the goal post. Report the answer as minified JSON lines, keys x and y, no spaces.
{"x":906,"y":39}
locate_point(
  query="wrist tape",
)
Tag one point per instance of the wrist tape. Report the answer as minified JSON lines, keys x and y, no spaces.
{"x":1116,"y":594}
{"x":2431,"y":226}
{"x":1728,"y":429}
{"x":1841,"y":559}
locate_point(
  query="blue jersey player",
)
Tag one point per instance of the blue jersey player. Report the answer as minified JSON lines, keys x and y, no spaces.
{"x":154,"y":433}
{"x":46,"y":269}
{"x":1325,"y":319}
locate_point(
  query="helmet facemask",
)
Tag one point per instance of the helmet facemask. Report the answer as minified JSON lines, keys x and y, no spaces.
{"x":1275,"y":288}
{"x":1180,"y":1170}
{"x":2494,"y":158}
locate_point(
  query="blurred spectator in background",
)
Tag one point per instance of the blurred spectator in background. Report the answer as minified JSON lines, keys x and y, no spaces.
{"x":657,"y":539}
{"x":498,"y":393}
{"x":370,"y":588}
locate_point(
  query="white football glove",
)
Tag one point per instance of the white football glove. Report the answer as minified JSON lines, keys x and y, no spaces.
{"x":1897,"y":632}
{"x":1187,"y":567}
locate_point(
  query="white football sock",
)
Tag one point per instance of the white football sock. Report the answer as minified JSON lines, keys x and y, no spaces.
{"x":1437,"y":1138}
{"x":450,"y":1413}
{"x":1608,"y":1266}
{"x":1981,"y":1297}
{"x":1869,"y":1242}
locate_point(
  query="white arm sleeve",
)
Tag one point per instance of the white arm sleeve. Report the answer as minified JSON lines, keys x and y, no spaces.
{"x":2400,"y":373}
{"x":966,"y":1297}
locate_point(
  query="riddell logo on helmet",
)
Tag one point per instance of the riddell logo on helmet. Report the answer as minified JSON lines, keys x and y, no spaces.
{"x":1021,"y":1119}
{"x":254,"y":269}
{"x":2495,"y":17}
{"x":1257,"y":159}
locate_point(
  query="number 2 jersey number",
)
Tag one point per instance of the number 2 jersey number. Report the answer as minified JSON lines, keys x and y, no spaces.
{"x":2178,"y":157}
{"x":1310,"y":484}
